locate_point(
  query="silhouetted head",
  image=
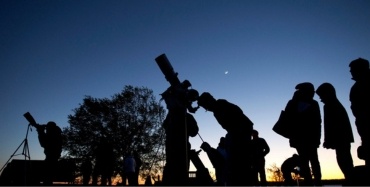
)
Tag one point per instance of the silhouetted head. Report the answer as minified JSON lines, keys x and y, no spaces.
{"x":254,"y":133}
{"x":295,"y":157}
{"x":52,"y":128}
{"x":326,"y":91}
{"x":359,"y":68}
{"x":51,"y":124}
{"x":206,"y":100}
{"x":359,"y":63}
{"x":306,"y":90}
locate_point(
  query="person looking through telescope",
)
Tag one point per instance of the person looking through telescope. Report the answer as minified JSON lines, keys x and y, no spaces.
{"x":50,"y":138}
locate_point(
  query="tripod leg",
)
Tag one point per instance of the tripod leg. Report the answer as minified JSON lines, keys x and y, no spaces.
{"x":6,"y":163}
{"x":26,"y":150}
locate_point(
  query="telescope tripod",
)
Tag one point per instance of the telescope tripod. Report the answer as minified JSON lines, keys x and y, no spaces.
{"x":25,"y":152}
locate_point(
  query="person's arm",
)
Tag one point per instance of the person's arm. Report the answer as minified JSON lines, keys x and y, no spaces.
{"x":41,"y":136}
{"x":266,"y":148}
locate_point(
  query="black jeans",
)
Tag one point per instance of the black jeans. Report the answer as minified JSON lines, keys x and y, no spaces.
{"x":308,"y":155}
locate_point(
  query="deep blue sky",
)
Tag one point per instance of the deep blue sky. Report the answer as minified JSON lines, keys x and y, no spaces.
{"x":53,"y":53}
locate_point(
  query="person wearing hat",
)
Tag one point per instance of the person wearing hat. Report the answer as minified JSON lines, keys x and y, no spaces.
{"x":360,"y":102}
{"x":238,"y":138}
{"x":305,"y":119}
{"x":337,"y":129}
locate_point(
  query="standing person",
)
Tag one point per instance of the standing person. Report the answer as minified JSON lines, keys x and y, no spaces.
{"x":129,"y":166}
{"x":86,"y":170}
{"x":360,"y":103}
{"x":260,"y":149}
{"x":239,"y":129}
{"x":170,"y":175}
{"x":305,"y":119}
{"x":104,"y":164}
{"x":171,"y":171}
{"x":337,"y":129}
{"x":138,"y":164}
{"x":50,"y":138}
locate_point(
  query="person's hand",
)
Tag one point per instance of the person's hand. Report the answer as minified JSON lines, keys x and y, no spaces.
{"x":39,"y":128}
{"x":205,"y":146}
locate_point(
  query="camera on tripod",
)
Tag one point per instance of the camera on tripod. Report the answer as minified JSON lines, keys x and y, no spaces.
{"x":178,"y":94}
{"x":32,"y":121}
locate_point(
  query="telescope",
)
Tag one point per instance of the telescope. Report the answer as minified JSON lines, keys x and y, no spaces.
{"x":32,"y":121}
{"x":178,"y":99}
{"x":170,"y":75}
{"x":178,"y":94}
{"x":167,"y":70}
{"x":30,"y":118}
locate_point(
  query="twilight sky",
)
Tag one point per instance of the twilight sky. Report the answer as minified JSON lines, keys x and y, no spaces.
{"x":53,"y":53}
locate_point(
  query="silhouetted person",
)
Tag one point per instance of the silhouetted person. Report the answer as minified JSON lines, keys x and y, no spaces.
{"x":221,"y":148}
{"x":148,"y":180}
{"x":239,"y":129}
{"x":288,"y":167}
{"x":360,"y":102}
{"x":129,"y":166}
{"x":260,"y":149}
{"x":104,"y":163}
{"x":173,"y":149}
{"x":50,"y":138}
{"x":138,"y":163}
{"x":337,"y":129}
{"x":218,"y":162}
{"x":178,"y":100}
{"x":305,"y":119}
{"x":86,"y":170}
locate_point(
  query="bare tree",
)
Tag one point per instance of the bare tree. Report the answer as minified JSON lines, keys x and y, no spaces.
{"x":275,"y":173}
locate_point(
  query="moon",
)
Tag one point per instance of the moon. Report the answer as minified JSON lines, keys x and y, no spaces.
{"x":226,"y":72}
